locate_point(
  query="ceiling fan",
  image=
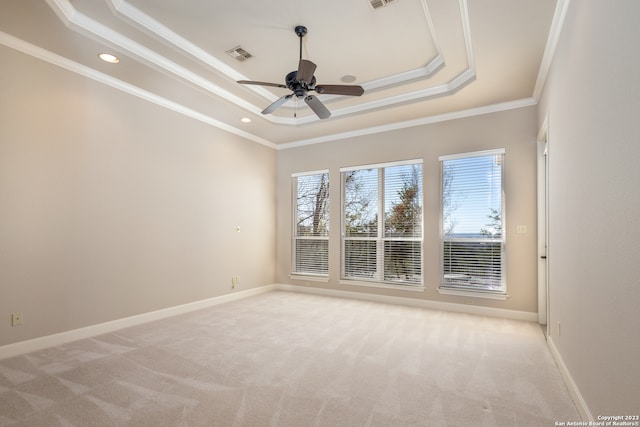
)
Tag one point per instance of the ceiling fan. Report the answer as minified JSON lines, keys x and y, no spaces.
{"x":302,"y":81}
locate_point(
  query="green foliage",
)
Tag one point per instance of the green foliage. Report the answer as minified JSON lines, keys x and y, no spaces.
{"x":494,"y":228}
{"x":360,"y":213}
{"x":405,"y":218}
{"x":402,"y":259}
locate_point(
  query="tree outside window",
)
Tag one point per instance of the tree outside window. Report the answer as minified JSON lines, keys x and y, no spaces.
{"x":311,"y":231}
{"x":472,"y":221}
{"x":382,"y":219}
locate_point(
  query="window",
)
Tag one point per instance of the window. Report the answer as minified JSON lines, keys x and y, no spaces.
{"x":311,"y":225}
{"x":382,"y":223}
{"x":473,"y":222}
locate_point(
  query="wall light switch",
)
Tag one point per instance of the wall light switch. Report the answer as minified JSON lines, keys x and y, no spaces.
{"x":521,"y":229}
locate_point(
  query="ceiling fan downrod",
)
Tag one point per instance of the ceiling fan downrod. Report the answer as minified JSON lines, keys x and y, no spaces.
{"x":301,"y":31}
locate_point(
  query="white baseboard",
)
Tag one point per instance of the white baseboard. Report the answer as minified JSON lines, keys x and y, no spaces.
{"x":35,"y":344}
{"x":579,"y":401}
{"x":413,"y":302}
{"x":61,"y":338}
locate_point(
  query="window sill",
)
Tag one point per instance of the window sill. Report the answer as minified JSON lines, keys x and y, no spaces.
{"x":412,"y":288}
{"x":473,"y":294}
{"x":309,"y":278}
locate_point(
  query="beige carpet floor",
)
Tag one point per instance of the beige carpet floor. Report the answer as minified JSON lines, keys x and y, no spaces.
{"x":291,"y":359}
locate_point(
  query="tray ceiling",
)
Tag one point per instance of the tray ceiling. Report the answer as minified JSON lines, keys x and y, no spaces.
{"x":416,"y":59}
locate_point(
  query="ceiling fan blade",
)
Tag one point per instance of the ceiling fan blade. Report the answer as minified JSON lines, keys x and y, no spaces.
{"x":273,"y":107}
{"x":317,"y":107}
{"x":305,"y":71}
{"x":340,"y":90}
{"x":250,"y":82}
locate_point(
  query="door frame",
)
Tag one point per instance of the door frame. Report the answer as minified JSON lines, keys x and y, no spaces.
{"x":543,"y":222}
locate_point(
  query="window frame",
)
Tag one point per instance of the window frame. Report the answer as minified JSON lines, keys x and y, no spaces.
{"x":295,"y":237}
{"x":451,"y":288}
{"x":380,"y":239}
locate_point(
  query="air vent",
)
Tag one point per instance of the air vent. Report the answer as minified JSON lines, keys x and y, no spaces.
{"x":239,"y":53}
{"x":377,"y":4}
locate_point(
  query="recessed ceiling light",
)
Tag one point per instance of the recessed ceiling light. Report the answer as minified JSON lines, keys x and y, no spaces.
{"x":348,"y":78}
{"x":107,"y":57}
{"x":245,"y":120}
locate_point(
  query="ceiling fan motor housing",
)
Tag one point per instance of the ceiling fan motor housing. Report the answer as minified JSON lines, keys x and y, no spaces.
{"x":299,"y":87}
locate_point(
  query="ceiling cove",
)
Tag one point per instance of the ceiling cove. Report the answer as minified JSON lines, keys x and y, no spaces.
{"x":175,"y":56}
{"x":129,"y":14}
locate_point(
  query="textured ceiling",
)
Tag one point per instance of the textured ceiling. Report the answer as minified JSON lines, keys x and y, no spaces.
{"x":416,"y":59}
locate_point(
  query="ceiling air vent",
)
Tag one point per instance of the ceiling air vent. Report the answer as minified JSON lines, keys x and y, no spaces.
{"x":239,"y":53}
{"x":377,"y":4}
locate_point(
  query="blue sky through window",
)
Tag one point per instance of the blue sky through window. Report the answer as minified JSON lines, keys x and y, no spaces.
{"x":475,"y":191}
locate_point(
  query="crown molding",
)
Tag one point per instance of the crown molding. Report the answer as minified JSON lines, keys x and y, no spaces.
{"x":73,"y":18}
{"x":60,"y":61}
{"x":97,"y":31}
{"x":130,"y":14}
{"x":487,"y":109}
{"x":450,"y":88}
{"x":155,"y":29}
{"x":141,"y":20}
{"x":550,"y":49}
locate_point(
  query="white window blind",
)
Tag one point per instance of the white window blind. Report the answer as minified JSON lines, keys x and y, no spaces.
{"x":311,"y":223}
{"x":382,"y":223}
{"x":473,"y":241}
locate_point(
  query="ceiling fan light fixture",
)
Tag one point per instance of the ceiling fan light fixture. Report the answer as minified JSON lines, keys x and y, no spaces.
{"x":239,"y":53}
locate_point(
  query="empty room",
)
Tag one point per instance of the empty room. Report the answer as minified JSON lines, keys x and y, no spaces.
{"x":293,"y":213}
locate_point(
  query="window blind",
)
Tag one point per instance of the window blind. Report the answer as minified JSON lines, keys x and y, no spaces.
{"x":472,"y":221}
{"x":382,"y":223}
{"x":311,"y":223}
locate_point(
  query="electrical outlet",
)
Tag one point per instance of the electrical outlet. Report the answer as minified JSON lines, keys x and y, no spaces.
{"x":234,"y":282}
{"x":17,"y":319}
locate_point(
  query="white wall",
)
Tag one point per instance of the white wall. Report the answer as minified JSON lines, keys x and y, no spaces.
{"x":514,"y":130}
{"x":111,"y":206}
{"x":592,"y":99}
